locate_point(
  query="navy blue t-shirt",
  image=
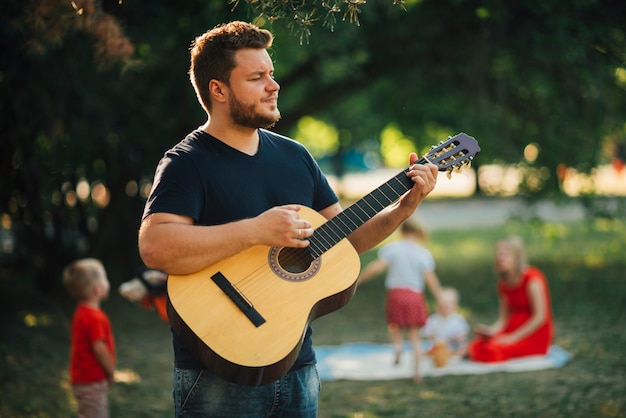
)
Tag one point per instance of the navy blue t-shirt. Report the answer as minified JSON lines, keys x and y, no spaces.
{"x":213,"y":183}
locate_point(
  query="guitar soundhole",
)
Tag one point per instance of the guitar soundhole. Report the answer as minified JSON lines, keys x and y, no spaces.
{"x":293,"y":264}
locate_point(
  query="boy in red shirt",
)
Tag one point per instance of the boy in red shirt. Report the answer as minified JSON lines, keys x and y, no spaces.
{"x":92,"y":352}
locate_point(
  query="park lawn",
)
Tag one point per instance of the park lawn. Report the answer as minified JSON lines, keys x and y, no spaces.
{"x":585,"y":264}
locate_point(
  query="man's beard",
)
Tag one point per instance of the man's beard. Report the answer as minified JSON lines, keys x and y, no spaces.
{"x":245,"y":115}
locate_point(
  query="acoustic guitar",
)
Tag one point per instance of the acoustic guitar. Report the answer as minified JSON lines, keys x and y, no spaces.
{"x":246,"y":316}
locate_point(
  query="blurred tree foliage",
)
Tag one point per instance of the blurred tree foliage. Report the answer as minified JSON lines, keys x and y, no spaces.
{"x":93,"y":91}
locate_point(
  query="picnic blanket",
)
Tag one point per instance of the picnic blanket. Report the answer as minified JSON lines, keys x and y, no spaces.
{"x":374,"y":361}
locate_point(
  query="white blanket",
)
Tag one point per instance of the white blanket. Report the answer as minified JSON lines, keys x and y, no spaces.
{"x":371,"y":361}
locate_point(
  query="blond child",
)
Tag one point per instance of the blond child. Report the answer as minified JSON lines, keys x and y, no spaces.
{"x":447,"y":329}
{"x":92,"y":351}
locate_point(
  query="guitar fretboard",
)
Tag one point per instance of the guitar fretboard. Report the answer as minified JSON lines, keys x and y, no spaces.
{"x":346,"y":222}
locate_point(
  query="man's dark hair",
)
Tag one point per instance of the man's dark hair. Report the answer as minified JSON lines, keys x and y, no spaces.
{"x":213,"y":54}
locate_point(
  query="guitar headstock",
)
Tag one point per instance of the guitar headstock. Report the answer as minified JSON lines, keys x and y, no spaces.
{"x":454,"y":154}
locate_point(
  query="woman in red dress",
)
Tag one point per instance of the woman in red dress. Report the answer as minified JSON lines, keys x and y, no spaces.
{"x":525,"y":325}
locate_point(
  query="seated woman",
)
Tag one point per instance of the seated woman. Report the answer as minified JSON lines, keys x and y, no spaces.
{"x":524,"y":326}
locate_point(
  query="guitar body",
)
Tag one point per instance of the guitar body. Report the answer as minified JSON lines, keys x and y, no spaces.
{"x":227,"y":341}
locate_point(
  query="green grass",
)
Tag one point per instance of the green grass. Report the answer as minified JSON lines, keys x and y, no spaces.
{"x":585,"y":264}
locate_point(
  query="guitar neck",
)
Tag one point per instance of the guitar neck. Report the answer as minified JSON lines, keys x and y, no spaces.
{"x":349,"y":220}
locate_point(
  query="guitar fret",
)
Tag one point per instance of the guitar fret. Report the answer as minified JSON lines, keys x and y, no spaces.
{"x":341,"y":229}
{"x":379,"y":197}
{"x":327,"y":238}
{"x":389,"y":200}
{"x":314,"y":247}
{"x":338,"y":220}
{"x":366,"y":206}
{"x":401,"y":187}
{"x":365,"y":214}
{"x":346,"y":215}
{"x":391,"y":191}
{"x":352,"y":212}
{"x":321,"y":234}
{"x":372,"y":202}
{"x":338,"y":234}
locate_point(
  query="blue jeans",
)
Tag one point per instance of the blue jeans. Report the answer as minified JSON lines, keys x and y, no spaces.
{"x":199,"y":393}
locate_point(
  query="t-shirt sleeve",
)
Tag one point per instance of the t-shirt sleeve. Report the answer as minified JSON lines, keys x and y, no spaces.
{"x":429,"y":261}
{"x":176,"y":182}
{"x":324,"y":194}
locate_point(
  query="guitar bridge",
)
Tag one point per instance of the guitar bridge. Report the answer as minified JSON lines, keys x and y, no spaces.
{"x":238,"y":299}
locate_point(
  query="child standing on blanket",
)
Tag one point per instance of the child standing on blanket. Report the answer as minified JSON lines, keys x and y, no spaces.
{"x":92,"y":351}
{"x":410,"y":267}
{"x":446,"y":329}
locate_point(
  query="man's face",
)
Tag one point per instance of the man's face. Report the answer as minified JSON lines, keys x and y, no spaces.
{"x":253,"y":98}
